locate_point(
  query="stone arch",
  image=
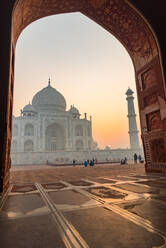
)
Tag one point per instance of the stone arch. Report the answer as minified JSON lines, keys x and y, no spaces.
{"x":29,"y":130}
{"x":14,"y":146}
{"x":79,"y":145}
{"x":127,"y":24}
{"x":54,"y":137}
{"x":28,"y":146}
{"x":79,"y":130}
{"x":122,"y":20}
{"x":15,"y":130}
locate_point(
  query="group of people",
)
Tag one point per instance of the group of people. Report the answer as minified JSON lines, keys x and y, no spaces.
{"x":137,"y":157}
{"x":89,"y":162}
{"x":123,"y":161}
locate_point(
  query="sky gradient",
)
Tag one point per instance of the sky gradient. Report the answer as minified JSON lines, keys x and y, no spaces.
{"x":86,"y":64}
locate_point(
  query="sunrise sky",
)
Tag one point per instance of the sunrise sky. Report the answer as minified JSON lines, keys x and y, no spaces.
{"x":86,"y":64}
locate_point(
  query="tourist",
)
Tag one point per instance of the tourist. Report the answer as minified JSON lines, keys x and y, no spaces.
{"x":125,"y":160}
{"x":135,"y":158}
{"x":91,"y":163}
{"x":85,"y":163}
{"x":74,"y":162}
{"x":122,"y":161}
{"x":140,"y":158}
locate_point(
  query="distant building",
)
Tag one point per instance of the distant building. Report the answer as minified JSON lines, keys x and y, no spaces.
{"x":46,"y":132}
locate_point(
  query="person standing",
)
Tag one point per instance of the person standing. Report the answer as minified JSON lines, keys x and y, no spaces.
{"x":74,"y":162}
{"x":140,"y":158}
{"x":135,"y":158}
{"x":91,"y":163}
{"x":85,"y":163}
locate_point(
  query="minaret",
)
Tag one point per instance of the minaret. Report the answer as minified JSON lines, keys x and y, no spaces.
{"x":49,"y":82}
{"x":133,"y":131}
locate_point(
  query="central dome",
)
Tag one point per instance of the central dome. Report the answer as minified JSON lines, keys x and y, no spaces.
{"x":49,"y":99}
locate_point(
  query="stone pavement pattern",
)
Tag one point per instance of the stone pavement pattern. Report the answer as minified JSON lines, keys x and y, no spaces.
{"x":105,"y":206}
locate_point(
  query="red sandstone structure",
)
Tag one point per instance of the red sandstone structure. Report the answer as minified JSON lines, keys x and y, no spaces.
{"x":137,"y":24}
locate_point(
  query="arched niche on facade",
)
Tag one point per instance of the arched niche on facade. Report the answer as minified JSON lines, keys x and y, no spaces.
{"x":54,"y":138}
{"x":29,"y":130}
{"x":28,"y":146}
{"x":15,"y":130}
{"x":79,"y":130}
{"x":79,"y":145}
{"x":14,"y":146}
{"x":88,"y":131}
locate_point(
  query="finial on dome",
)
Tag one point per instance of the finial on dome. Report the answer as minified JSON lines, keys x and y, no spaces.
{"x":49,"y":82}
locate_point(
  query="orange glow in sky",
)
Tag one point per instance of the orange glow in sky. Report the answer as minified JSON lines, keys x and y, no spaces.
{"x":86,"y":64}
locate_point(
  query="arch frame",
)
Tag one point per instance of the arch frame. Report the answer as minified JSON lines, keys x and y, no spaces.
{"x":54,"y":137}
{"x":29,"y":143}
{"x":29,"y":129}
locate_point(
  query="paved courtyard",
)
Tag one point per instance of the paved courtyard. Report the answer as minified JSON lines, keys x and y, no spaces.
{"x":105,"y":206}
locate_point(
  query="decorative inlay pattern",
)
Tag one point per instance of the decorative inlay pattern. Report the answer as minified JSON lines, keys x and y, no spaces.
{"x":148,"y":100}
{"x":154,"y":121}
{"x":158,"y":150}
{"x":148,"y":79}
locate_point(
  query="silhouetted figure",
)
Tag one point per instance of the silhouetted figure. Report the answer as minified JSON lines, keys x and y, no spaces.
{"x":122,"y":161}
{"x":85,"y":163}
{"x":74,"y":162}
{"x":140,"y":158}
{"x":135,"y":158}
{"x":91,"y":163}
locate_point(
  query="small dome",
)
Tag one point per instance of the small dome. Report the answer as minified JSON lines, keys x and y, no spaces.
{"x":29,"y":108}
{"x":49,"y":99}
{"x":129,"y":92}
{"x":74,"y":110}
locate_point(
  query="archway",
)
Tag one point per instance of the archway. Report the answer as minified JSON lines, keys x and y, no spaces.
{"x":54,"y":138}
{"x":14,"y":146}
{"x":122,"y":20}
{"x":28,"y":146}
{"x":29,"y":130}
{"x":15,"y":130}
{"x":79,"y":130}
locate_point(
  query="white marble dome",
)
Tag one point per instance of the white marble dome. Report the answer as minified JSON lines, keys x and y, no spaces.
{"x":29,"y":108}
{"x":49,"y":99}
{"x":73,"y":110}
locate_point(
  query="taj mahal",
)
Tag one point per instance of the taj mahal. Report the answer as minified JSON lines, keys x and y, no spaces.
{"x":45,"y":132}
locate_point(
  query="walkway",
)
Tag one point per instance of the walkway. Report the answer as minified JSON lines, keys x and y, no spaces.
{"x":105,"y":206}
